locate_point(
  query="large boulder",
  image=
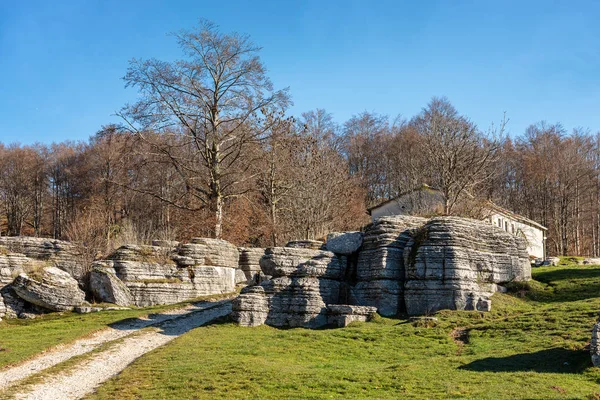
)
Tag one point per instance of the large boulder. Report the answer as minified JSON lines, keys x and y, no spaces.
{"x":344,"y":243}
{"x":51,"y":288}
{"x":251,"y":307}
{"x":455,"y":263}
{"x":380,"y":270}
{"x":107,"y":287}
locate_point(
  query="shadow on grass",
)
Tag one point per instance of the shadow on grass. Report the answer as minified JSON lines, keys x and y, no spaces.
{"x":556,"y":360}
{"x":567,"y":273}
{"x":568,"y":284}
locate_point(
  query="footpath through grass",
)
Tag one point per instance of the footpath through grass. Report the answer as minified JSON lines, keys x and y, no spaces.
{"x":22,"y":339}
{"x":531,"y":346}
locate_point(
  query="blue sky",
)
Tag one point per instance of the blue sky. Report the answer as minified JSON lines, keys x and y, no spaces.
{"x":61,"y":62}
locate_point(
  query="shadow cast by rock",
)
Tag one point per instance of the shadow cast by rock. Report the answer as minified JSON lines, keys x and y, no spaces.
{"x":555,"y":360}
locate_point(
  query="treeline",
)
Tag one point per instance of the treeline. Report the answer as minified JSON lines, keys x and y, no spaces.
{"x":209,"y":150}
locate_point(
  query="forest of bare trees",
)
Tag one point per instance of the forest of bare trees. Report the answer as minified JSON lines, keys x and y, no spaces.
{"x":209,"y":149}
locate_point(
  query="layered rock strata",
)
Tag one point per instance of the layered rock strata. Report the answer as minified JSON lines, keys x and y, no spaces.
{"x":51,"y":288}
{"x":249,"y":262}
{"x":455,"y":263}
{"x":166,"y":275}
{"x":380,"y":270}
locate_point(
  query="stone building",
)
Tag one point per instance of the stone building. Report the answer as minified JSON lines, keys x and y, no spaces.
{"x":427,"y":201}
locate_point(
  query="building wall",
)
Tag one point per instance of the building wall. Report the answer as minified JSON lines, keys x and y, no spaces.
{"x":533,"y":235}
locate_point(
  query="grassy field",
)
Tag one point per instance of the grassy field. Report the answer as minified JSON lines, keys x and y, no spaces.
{"x":22,"y":339}
{"x":531,"y":346}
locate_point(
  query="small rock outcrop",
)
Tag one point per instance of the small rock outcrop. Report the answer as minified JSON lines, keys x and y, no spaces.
{"x":251,"y":307}
{"x":341,"y":315}
{"x":51,"y":288}
{"x":344,"y":243}
{"x":455,"y":263}
{"x":108,"y":288}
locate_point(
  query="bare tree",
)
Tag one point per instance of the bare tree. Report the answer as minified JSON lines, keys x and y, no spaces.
{"x":458,"y":153}
{"x":211,"y":100}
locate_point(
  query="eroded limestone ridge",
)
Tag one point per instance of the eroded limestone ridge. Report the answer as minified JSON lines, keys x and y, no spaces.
{"x":401,"y":265}
{"x":151,"y":275}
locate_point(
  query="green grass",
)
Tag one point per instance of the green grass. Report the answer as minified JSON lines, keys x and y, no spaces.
{"x":531,"y":346}
{"x":22,"y":339}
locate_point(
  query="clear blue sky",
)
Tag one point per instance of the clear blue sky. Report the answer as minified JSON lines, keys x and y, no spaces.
{"x":61,"y":62}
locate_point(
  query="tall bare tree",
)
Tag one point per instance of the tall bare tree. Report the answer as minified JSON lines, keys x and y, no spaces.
{"x":212,"y":100}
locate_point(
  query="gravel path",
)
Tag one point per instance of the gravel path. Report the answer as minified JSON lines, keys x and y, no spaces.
{"x":84,"y":378}
{"x":75,"y":384}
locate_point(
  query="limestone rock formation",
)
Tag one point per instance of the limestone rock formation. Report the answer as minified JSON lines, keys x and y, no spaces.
{"x":342,"y":315}
{"x":453,"y":263}
{"x":251,"y":307}
{"x":64,"y":255}
{"x":166,"y":274}
{"x":304,"y":282}
{"x":344,"y":243}
{"x":380,"y":269}
{"x":107,"y":287}
{"x":52,"y":289}
{"x":249,"y":262}
{"x":589,"y":261}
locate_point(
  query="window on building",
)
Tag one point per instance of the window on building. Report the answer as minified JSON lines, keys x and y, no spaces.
{"x":506,"y":226}
{"x":512,"y":227}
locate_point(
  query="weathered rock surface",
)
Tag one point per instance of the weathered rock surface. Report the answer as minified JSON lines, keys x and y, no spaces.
{"x":64,"y":255}
{"x":380,"y":270}
{"x":341,"y":315}
{"x":288,"y":261}
{"x":53,"y":289}
{"x":453,"y":263}
{"x":249,"y":262}
{"x":303,"y":281}
{"x":166,"y":274}
{"x":590,"y":261}
{"x":204,"y":251}
{"x":251,"y":307}
{"x":107,"y":287}
{"x":306,"y":244}
{"x":344,"y":243}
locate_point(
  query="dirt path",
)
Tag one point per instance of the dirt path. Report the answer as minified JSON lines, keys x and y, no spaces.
{"x":85,"y":377}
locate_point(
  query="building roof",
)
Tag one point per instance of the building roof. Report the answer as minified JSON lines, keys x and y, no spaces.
{"x":490,"y":204}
